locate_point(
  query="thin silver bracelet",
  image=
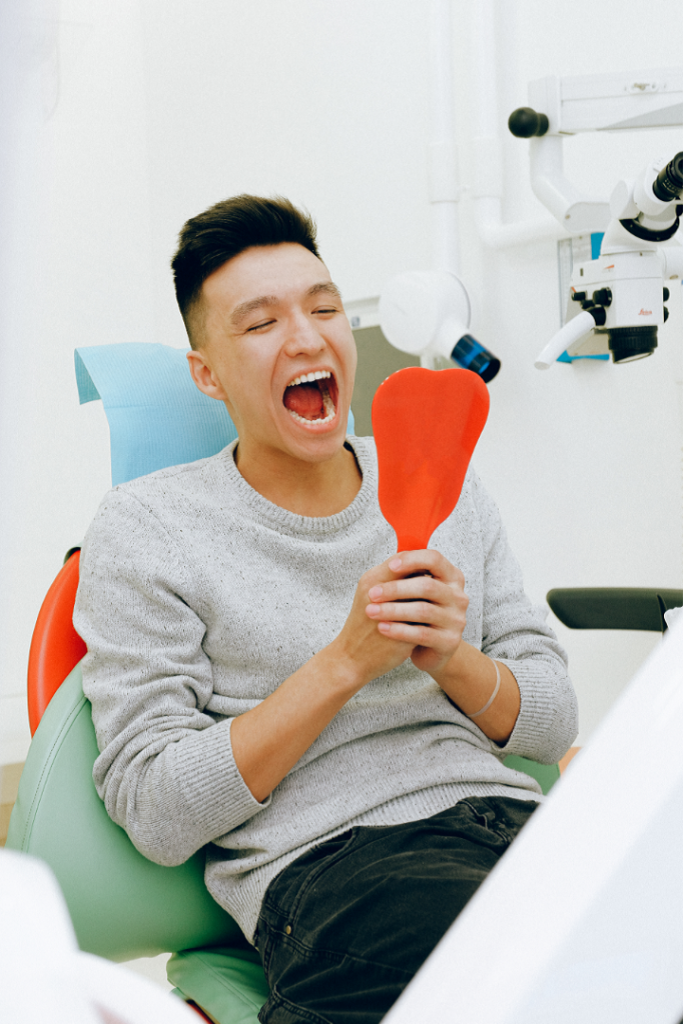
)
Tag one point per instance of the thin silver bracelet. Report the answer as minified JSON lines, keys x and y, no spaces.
{"x":493,"y":696}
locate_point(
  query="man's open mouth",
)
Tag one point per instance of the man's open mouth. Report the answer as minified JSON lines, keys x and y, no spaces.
{"x":312,"y":397}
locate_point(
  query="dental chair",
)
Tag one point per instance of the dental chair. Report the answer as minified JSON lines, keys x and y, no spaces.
{"x":122,"y":905}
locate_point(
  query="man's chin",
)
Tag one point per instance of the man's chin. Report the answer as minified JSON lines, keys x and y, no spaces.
{"x":317,"y":442}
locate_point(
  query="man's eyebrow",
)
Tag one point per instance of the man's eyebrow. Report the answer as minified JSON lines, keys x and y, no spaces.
{"x":242,"y":311}
{"x":245,"y":308}
{"x":325,"y":286}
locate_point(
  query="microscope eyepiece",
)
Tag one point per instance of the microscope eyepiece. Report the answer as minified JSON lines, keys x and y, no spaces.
{"x":668,"y":184}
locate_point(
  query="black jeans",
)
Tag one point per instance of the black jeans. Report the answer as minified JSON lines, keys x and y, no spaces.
{"x":345,"y":927}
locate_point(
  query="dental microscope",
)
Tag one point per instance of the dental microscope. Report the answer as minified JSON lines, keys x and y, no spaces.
{"x":617,"y":301}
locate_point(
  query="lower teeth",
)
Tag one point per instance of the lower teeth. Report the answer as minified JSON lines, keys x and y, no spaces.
{"x":302,"y":419}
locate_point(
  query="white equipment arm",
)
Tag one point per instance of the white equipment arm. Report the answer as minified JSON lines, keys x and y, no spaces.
{"x":566,"y":336}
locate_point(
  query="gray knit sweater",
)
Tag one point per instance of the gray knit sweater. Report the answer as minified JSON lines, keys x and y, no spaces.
{"x":198,"y":597}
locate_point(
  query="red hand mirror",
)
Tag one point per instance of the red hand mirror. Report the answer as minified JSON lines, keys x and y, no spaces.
{"x":426,"y":425}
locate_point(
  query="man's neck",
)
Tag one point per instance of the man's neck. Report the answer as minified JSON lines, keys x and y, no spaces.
{"x":308,"y":489}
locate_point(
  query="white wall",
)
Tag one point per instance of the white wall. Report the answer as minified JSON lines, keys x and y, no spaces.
{"x":162,"y":107}
{"x":584,"y":460}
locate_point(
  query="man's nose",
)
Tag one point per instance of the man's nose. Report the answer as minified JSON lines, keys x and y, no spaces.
{"x":303,"y":336}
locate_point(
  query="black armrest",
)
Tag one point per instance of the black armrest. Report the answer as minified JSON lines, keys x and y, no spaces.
{"x":613,"y":607}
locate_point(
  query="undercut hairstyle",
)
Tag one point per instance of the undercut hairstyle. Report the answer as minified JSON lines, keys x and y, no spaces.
{"x":209,"y":240}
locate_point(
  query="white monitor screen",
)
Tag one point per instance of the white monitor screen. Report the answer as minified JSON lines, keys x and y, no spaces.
{"x":582,"y":920}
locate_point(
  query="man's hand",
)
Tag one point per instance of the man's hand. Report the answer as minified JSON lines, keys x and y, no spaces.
{"x":368,"y":651}
{"x":422,"y":604}
{"x":429,"y":611}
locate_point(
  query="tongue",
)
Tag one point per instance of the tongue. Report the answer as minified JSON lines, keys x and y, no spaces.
{"x":306,"y":400}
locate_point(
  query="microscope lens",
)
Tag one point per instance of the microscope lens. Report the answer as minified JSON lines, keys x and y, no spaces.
{"x":668,"y":184}
{"x":630,"y":343}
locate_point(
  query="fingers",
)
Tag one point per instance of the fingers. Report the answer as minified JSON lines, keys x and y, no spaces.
{"x":438,"y":614}
{"x":416,"y":588}
{"x":413,"y":563}
{"x":421,"y":635}
{"x":420,"y":588}
{"x":413,"y":602}
{"x":425,"y":610}
{"x":408,"y":563}
{"x":415,"y":633}
{"x":450,"y":620}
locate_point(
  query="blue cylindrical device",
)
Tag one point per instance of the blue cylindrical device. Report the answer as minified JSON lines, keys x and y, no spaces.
{"x":469,"y":354}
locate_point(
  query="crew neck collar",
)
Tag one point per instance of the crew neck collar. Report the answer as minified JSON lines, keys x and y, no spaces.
{"x":290,"y":522}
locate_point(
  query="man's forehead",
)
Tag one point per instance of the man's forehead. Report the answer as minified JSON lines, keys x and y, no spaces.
{"x":267,"y":276}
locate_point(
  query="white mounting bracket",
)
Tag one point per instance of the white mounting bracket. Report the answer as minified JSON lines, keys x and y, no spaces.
{"x":608,"y":102}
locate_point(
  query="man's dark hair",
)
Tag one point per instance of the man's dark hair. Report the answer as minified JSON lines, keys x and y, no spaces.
{"x":210,"y":239}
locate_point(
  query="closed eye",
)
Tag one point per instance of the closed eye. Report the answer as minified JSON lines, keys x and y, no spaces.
{"x":257,"y":327}
{"x":325,"y":311}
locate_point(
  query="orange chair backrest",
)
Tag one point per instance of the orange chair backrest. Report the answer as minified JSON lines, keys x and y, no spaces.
{"x":426,"y":425}
{"x":56,"y":647}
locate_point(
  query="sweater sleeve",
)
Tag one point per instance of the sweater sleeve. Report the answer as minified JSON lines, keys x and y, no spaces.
{"x":516,"y":634}
{"x":166,"y":772}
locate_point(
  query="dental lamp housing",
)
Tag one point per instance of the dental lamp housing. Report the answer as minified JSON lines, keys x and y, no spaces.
{"x":427,"y":314}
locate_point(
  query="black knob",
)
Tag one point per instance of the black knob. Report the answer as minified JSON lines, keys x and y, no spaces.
{"x":666,"y":294}
{"x":525,"y":122}
{"x":578,"y":296}
{"x":587,"y":304}
{"x":602,"y":297}
{"x":666,"y":314}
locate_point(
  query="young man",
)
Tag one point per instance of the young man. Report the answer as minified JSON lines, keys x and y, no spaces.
{"x":258,"y":680}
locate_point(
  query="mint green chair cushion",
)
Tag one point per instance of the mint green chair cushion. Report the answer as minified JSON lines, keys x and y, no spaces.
{"x":546,"y":775}
{"x":122,"y":905}
{"x":228,"y":984}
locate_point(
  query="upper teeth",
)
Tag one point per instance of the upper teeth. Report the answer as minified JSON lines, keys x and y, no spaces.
{"x":306,"y":378}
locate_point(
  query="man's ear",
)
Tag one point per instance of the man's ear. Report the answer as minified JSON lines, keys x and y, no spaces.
{"x":203,"y":376}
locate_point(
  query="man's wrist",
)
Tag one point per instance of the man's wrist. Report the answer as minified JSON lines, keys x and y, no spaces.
{"x":470,"y":679}
{"x":450,"y":672}
{"x":340,"y":671}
